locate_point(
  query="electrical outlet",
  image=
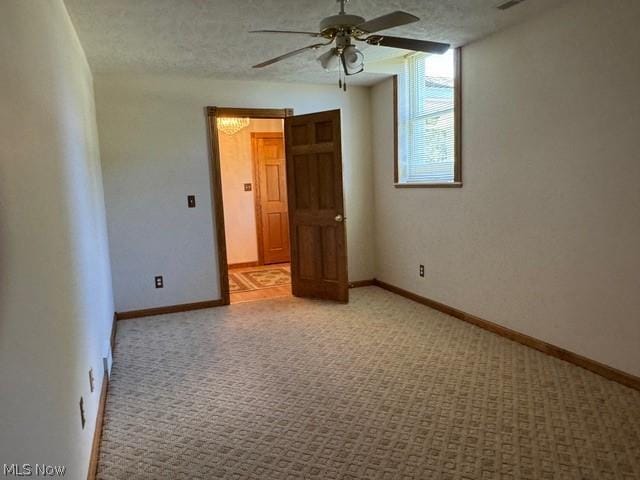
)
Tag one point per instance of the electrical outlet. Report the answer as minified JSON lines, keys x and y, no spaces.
{"x":107,"y":363}
{"x":191,"y":201}
{"x":247,"y":187}
{"x":422,"y":271}
{"x":91,"y":380}
{"x":83,"y":420}
{"x":159,"y":281}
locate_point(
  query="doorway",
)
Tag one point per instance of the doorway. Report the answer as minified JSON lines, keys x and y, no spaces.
{"x":295,"y":183}
{"x":253,"y":175}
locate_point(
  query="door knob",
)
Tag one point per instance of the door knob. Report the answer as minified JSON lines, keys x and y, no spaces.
{"x":338,"y":218}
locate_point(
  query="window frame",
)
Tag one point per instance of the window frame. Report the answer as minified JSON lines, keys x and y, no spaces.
{"x":457,"y":112}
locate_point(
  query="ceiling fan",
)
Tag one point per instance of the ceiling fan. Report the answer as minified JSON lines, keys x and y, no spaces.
{"x":343,"y":29}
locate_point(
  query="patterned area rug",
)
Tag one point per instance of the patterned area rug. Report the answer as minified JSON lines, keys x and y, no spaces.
{"x":380,"y":388}
{"x":236,"y":284}
{"x":260,"y":278}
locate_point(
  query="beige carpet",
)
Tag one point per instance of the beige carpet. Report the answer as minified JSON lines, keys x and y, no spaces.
{"x":382,"y":388}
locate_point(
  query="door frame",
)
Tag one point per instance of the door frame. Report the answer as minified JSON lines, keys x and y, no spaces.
{"x":217,"y":204}
{"x":257,"y":201}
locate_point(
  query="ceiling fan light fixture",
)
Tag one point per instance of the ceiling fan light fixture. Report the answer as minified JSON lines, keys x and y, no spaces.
{"x":329,"y":60}
{"x":352,"y":60}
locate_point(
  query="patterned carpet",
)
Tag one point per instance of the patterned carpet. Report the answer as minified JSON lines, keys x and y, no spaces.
{"x":236,"y":284}
{"x":381,"y":388}
{"x":242,"y":281}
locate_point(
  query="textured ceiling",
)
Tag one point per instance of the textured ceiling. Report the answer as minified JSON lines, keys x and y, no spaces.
{"x":209,"y":37}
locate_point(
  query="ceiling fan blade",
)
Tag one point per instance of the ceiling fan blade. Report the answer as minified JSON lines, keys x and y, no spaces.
{"x":408,"y":44}
{"x":290,"y":54}
{"x":312,"y":34}
{"x":390,"y":20}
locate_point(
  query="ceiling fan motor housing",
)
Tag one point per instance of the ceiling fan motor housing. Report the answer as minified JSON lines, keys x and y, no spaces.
{"x":335,"y":23}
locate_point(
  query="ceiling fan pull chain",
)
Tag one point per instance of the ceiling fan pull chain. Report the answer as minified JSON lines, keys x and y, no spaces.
{"x":343,"y":81}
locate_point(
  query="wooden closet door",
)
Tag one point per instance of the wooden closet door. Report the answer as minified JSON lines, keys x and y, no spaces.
{"x":273,"y":215}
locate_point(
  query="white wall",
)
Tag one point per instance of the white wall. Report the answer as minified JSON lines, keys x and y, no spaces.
{"x":56,"y":304}
{"x":544,"y":236}
{"x":236,"y":165}
{"x":154,"y":153}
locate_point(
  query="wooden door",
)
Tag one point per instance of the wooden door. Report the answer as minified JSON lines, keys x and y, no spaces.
{"x":316,"y":213}
{"x":271,"y":195}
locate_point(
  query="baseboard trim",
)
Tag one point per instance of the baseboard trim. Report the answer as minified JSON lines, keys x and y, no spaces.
{"x":362,"y":283}
{"x":243,"y":265}
{"x":601,"y":369}
{"x":97,"y":433}
{"x":185,"y":307}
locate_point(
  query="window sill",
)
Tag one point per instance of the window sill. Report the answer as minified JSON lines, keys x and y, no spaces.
{"x":429,"y":185}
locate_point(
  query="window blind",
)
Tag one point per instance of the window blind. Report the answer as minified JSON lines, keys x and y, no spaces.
{"x":430,"y":153}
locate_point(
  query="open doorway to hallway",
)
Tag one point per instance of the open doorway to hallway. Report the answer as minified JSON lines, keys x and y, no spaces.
{"x":253,"y":175}
{"x":312,"y":167}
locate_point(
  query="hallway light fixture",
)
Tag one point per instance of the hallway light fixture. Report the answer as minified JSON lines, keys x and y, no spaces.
{"x":232,"y":125}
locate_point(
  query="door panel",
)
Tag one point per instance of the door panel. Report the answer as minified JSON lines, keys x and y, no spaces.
{"x":326,"y":179}
{"x":329,"y":245}
{"x":272,"y":210}
{"x":275,"y":224}
{"x":324,"y":132}
{"x":274,"y":176}
{"x":306,"y":252}
{"x":302,"y":183}
{"x":314,"y":185}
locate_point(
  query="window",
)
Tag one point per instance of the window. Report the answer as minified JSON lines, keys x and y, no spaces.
{"x":428,"y":122}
